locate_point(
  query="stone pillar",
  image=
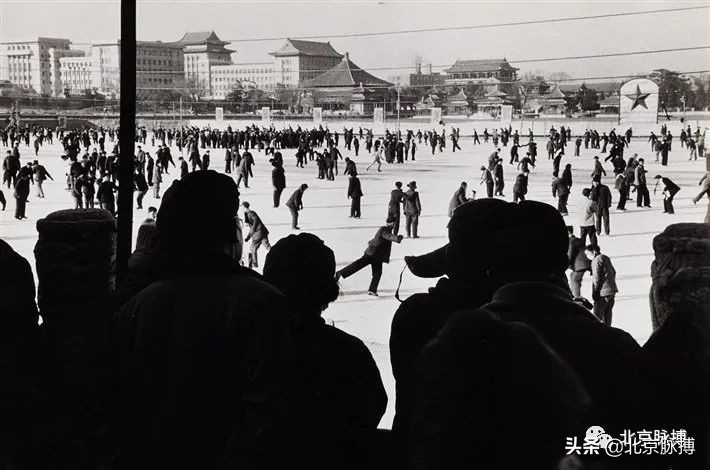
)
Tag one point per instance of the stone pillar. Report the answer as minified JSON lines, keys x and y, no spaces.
{"x":76,"y":261}
{"x":680,"y":270}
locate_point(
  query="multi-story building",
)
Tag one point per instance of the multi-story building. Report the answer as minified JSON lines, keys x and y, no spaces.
{"x":226,"y":77}
{"x":76,"y":74}
{"x":480,"y":72}
{"x":299,"y":61}
{"x":416,"y":79}
{"x":35,"y":65}
{"x":203,"y":50}
{"x":159,"y":65}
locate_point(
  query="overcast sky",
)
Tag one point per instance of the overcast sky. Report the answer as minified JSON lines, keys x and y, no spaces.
{"x":96,"y":20}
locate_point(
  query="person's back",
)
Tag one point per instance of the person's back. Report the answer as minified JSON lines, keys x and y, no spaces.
{"x":203,"y":349}
{"x":420,"y":317}
{"x":411,"y":202}
{"x":492,"y":395}
{"x":606,"y":359}
{"x":337,"y":397}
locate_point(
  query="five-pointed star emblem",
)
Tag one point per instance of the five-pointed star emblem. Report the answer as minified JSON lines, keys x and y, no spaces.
{"x":638,"y":99}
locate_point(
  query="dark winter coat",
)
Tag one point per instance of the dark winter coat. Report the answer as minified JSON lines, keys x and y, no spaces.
{"x":602,"y":196}
{"x":226,"y":379}
{"x":578,"y":261}
{"x":278,"y":177}
{"x":411,"y":203}
{"x":607,"y":360}
{"x":296,"y":200}
{"x":559,"y":188}
{"x":459,"y":198}
{"x":380,"y":246}
{"x":258,"y":230}
{"x":354,"y":188}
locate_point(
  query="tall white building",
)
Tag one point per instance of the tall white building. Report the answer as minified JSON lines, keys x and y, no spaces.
{"x":298,"y":61}
{"x":226,"y":77}
{"x":35,"y":65}
{"x":76,"y":74}
{"x":203,"y":50}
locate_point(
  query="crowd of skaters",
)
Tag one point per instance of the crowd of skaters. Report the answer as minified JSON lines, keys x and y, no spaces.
{"x":92,"y":172}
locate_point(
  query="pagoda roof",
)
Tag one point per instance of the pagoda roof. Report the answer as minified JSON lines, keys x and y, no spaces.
{"x":496,"y":94}
{"x":346,"y":74}
{"x":295,"y":47}
{"x":480,"y":65}
{"x":201,"y":37}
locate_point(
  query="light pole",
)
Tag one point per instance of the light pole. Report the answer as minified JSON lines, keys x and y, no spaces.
{"x":398,"y":106}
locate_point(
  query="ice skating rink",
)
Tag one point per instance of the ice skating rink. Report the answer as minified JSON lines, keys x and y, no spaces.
{"x":326,"y":211}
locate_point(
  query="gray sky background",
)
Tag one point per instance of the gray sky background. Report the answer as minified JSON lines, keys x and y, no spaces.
{"x":87,"y":21}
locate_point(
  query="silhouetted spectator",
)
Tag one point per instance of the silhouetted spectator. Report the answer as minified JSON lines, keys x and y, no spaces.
{"x":419,"y":318}
{"x":203,"y":350}
{"x":19,"y":354}
{"x":337,"y":395}
{"x":492,"y":394}
{"x":607,"y":359}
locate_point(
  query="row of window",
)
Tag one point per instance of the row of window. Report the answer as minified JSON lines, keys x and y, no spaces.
{"x":155,"y":52}
{"x":239,"y":71}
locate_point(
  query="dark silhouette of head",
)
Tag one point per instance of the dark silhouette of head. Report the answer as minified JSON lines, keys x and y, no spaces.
{"x":199,"y":212}
{"x":303,"y":268}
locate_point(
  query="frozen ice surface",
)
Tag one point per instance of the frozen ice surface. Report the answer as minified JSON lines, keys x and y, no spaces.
{"x":326,"y":210}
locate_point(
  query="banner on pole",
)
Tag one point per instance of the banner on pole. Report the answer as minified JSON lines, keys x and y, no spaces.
{"x":379,"y":116}
{"x":506,"y":113}
{"x":317,"y":116}
{"x":265,"y":114}
{"x":219,"y":114}
{"x":435,"y":116}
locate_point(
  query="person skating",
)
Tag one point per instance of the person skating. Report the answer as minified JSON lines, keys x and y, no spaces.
{"x":394,"y":207}
{"x":377,"y":160}
{"x":141,"y":186}
{"x":578,"y":263}
{"x":412,"y":210}
{"x":354,"y":194}
{"x":499,"y":179}
{"x":459,"y":198}
{"x":295,"y":204}
{"x":487,"y":177}
{"x":587,"y":210}
{"x":642,"y":196}
{"x":258,"y":235}
{"x":598,"y":170}
{"x":670,"y":189}
{"x":378,"y":252}
{"x":244,"y":171}
{"x":561,"y":191}
{"x":22,"y":192}
{"x":603,"y":283}
{"x":520,"y":188}
{"x":278,"y":181}
{"x":601,"y":195}
{"x":40,"y":176}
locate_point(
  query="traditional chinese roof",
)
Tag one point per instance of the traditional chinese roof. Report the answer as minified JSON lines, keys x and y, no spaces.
{"x":496,"y":94}
{"x":201,"y":37}
{"x":294,"y":47}
{"x":346,"y":74}
{"x":480,"y":65}
{"x":600,"y":87}
{"x":459,"y":99}
{"x":556,"y":93}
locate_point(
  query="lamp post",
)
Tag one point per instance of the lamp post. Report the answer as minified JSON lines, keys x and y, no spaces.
{"x":398,"y":106}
